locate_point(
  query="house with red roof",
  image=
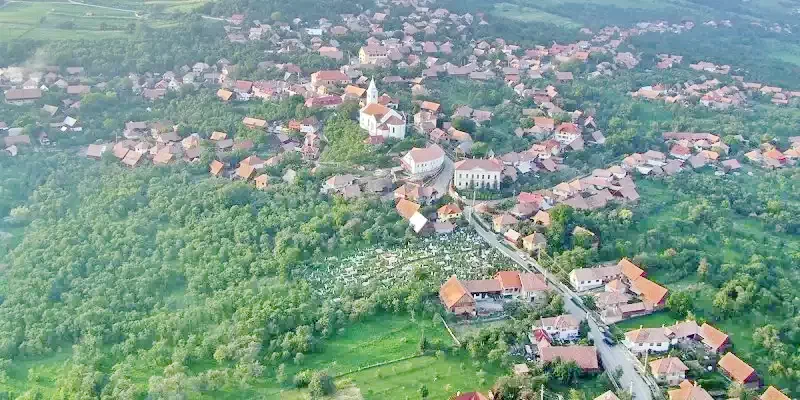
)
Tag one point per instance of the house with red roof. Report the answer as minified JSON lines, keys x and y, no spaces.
{"x":714,"y":339}
{"x":504,"y":285}
{"x":584,"y":356}
{"x":739,"y":371}
{"x":668,"y":370}
{"x":772,"y":393}
{"x":456,"y":298}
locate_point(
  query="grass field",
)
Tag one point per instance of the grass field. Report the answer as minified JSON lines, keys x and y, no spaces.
{"x":569,"y":13}
{"x":572,"y":14}
{"x":391,"y":338}
{"x":530,"y":14}
{"x":62,"y":20}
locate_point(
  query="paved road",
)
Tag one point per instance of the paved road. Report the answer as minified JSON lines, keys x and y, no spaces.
{"x":442,"y":181}
{"x":613,"y":357}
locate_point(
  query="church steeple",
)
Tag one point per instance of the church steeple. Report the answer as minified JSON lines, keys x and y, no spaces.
{"x":372,"y":92}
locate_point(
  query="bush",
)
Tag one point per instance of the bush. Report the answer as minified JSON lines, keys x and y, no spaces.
{"x":321,"y":384}
{"x":303,"y":378}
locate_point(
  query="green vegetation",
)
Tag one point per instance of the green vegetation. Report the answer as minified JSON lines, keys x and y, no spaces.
{"x":725,"y":243}
{"x":530,"y":14}
{"x":150,"y":259}
{"x":71,"y":21}
{"x":397,"y":338}
{"x":167,"y":283}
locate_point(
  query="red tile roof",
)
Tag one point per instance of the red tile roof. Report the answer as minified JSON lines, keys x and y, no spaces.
{"x":689,"y":391}
{"x":509,"y":279}
{"x":737,"y":369}
{"x":630,"y":270}
{"x":713,"y":338}
{"x":652,"y":292}
{"x":452,"y":292}
{"x":584,"y":356}
{"x":773,"y":394}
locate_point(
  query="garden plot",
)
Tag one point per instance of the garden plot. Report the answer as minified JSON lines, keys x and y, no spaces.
{"x":463,"y":254}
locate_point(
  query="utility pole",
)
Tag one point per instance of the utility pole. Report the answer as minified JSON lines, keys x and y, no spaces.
{"x":541,"y":392}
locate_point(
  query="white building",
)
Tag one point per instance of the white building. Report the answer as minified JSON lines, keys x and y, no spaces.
{"x":563,"y":327}
{"x":380,"y":120}
{"x":422,"y":162}
{"x":481,"y":173}
{"x":583,"y":279}
{"x":648,"y":340}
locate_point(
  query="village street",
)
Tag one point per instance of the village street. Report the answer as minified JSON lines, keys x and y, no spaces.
{"x":442,"y":180}
{"x":613,"y":357}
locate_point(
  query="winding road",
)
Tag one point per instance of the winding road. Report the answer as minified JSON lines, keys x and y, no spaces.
{"x":613,"y":357}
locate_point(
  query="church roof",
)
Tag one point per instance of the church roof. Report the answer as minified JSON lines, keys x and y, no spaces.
{"x":375,"y":109}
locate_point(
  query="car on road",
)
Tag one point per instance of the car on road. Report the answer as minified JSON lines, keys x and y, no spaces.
{"x":609,"y":340}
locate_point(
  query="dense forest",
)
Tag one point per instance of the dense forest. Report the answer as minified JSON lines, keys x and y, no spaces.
{"x":116,"y":264}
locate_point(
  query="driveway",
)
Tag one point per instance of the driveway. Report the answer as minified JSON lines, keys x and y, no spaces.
{"x":613,"y":357}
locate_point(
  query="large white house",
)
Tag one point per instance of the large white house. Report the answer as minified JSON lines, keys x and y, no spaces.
{"x":648,"y":340}
{"x":422,"y":162}
{"x":480,"y":173}
{"x":589,"y":278}
{"x":380,"y":120}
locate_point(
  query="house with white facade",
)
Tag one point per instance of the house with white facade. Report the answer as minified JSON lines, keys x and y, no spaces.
{"x":648,"y":340}
{"x":480,"y":173}
{"x":583,"y":279}
{"x":668,"y":370}
{"x":563,"y":327}
{"x":380,"y":120}
{"x":423,"y":162}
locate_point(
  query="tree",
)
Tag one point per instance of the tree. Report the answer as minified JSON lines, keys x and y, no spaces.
{"x":423,"y":391}
{"x":680,"y":304}
{"x":566,"y":372}
{"x":575,"y":394}
{"x":303,"y":378}
{"x":464,"y":124}
{"x":423,"y":343}
{"x":589,"y":301}
{"x":276,"y":16}
{"x":321,"y":384}
{"x":766,"y":337}
{"x":702,"y":268}
{"x":583,"y":329}
{"x":280,"y":374}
